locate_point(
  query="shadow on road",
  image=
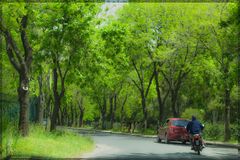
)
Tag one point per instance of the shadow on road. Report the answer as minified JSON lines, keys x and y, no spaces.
{"x":174,"y":143}
{"x":178,"y":143}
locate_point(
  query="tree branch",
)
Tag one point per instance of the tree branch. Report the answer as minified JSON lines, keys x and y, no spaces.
{"x":218,"y":41}
{"x":149,"y":84}
{"x":11,"y":57}
{"x":166,"y":95}
{"x":165,"y":77}
{"x":219,"y":61}
{"x":25,"y":41}
{"x":12,"y":45}
{"x":68,"y":67}
{"x":139,"y":88}
{"x":139,"y":76}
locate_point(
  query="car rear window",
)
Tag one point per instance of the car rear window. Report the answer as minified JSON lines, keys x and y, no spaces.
{"x":180,"y":123}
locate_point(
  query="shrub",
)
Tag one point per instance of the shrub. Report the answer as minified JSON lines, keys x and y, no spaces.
{"x":235,"y":131}
{"x":214,"y":131}
{"x":199,"y":113}
{"x":116,"y":126}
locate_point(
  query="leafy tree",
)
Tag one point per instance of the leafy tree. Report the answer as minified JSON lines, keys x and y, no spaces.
{"x":64,"y":46}
{"x":137,"y":48}
{"x":14,"y":23}
{"x":223,"y":49}
{"x":113,"y":36}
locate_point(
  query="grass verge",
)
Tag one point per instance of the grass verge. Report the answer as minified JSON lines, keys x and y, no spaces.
{"x":40,"y":143}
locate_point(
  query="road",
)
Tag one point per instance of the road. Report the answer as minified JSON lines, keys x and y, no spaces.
{"x":111,"y":146}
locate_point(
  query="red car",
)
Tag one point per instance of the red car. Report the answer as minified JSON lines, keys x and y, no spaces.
{"x":174,"y":129}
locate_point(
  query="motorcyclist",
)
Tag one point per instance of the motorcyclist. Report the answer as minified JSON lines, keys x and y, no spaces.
{"x":194,"y":127}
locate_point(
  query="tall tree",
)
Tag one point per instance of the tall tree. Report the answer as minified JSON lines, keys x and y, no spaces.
{"x":66,"y":47}
{"x":224,"y":49}
{"x":20,"y":59}
{"x":137,"y":48}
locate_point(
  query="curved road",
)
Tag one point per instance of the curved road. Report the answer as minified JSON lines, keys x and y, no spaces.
{"x":111,"y":146}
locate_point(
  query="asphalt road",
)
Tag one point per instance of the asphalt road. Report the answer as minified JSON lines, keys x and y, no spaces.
{"x":110,"y":146}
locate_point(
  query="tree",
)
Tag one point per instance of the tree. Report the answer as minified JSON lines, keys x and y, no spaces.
{"x":20,"y":59}
{"x":224,"y":50}
{"x":65,"y":45}
{"x":114,"y":41}
{"x":137,"y":48}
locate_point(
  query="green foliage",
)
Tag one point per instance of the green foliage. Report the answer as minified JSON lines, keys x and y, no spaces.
{"x":116,"y":127}
{"x":149,"y":132}
{"x":198,"y":113}
{"x":10,"y":137}
{"x":213,"y":131}
{"x":215,"y":104}
{"x":195,"y":41}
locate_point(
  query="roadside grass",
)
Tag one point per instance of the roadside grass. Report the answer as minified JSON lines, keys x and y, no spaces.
{"x":40,"y":143}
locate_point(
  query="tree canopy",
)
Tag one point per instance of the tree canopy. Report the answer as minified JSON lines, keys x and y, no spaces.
{"x":147,"y":62}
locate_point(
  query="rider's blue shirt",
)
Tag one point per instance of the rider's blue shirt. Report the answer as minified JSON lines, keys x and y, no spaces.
{"x":194,"y":126}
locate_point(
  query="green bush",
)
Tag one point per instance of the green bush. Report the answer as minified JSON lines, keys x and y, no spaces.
{"x":149,"y":131}
{"x":199,"y":113}
{"x":9,"y":136}
{"x":235,"y":130}
{"x":214,"y":131}
{"x":116,"y":127}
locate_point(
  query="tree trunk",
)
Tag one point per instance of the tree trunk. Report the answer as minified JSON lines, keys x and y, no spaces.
{"x":103,"y":118}
{"x":114,"y":110}
{"x":144,"y":110}
{"x":133,"y":126}
{"x":48,"y":112}
{"x":23,"y":101}
{"x":173,"y":103}
{"x":103,"y":113}
{"x":40,"y":105}
{"x":21,"y":63}
{"x":81,"y":118}
{"x":48,"y":99}
{"x":59,"y":118}
{"x":129,"y":127}
{"x":160,"y":104}
{"x":57,"y":101}
{"x":55,"y":113}
{"x":76,"y":118}
{"x":72,"y":115}
{"x":115,"y":107}
{"x":81,"y":109}
{"x":227,"y":131}
{"x":62,"y":116}
{"x":122,"y":117}
{"x":122,"y":112}
{"x":111,"y":111}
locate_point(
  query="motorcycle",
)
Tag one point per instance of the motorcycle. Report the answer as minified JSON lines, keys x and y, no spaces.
{"x":197,"y":143}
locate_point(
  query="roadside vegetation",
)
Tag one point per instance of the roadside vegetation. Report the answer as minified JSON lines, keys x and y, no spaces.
{"x":43,"y":144}
{"x":76,"y":64}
